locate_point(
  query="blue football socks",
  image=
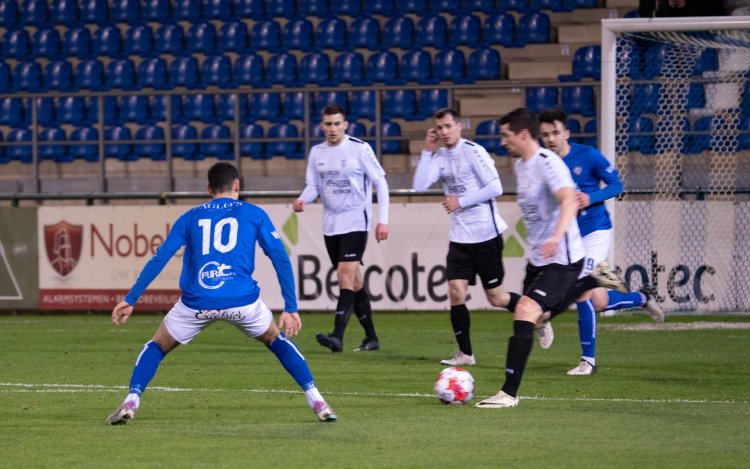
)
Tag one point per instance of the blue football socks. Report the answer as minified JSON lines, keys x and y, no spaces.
{"x":292,"y":361}
{"x":619,"y":300}
{"x":145,"y":367}
{"x":587,"y":329}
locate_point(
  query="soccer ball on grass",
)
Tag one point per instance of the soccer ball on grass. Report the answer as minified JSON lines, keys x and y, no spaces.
{"x":454,"y":385}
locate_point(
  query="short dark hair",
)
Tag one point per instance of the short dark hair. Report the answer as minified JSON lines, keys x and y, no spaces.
{"x":519,"y":119}
{"x":549,"y":116}
{"x":221,"y":176}
{"x":332,"y":109}
{"x":440,"y":113}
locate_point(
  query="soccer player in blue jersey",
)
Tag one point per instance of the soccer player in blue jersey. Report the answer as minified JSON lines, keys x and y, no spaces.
{"x":590,"y":170}
{"x":217,"y":284}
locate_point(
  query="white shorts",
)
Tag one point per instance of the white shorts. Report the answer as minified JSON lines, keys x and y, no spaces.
{"x":184,"y":323}
{"x":596,"y":244}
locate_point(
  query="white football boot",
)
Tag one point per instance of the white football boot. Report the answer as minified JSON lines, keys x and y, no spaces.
{"x":498,"y":401}
{"x":459,"y":359}
{"x":583,"y":369}
{"x":546,"y":335}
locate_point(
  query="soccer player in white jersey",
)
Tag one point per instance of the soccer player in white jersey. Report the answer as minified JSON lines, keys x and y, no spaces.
{"x":546,"y":195}
{"x":219,"y":237}
{"x":471,"y":184}
{"x":590,"y":170}
{"x":341,"y":171}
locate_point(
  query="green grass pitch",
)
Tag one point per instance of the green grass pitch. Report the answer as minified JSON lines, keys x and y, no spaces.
{"x":673,"y":395}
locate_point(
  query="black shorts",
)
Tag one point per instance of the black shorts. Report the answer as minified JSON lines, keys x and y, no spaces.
{"x":549,"y":285}
{"x":347,"y":247}
{"x":466,"y":260}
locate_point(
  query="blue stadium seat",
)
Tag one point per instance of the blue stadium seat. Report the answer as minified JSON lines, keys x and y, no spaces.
{"x":540,"y":98}
{"x":317,"y":134}
{"x":349,"y":67}
{"x":4,"y":158}
{"x":265,"y":106}
{"x":479,"y":5}
{"x":89,"y":75}
{"x":109,"y":103}
{"x":500,"y":28}
{"x":228,"y":106}
{"x":432,"y":30}
{"x":5,"y":82}
{"x":573,"y":4}
{"x":282,"y":70}
{"x":645,"y":99}
{"x":484,"y":64}
{"x":416,"y":67}
{"x":169,"y":39}
{"x":362,"y":104}
{"x":331,"y":34}
{"x":591,"y":127}
{"x":85,"y":151}
{"x":266,"y":35}
{"x":466,"y":30}
{"x":159,"y":104}
{"x":450,"y":65}
{"x":641,"y":143}
{"x":445,"y":6}
{"x":45,"y":112}
{"x":152,"y":150}
{"x":492,"y":142}
{"x":71,"y":110}
{"x":217,"y":10}
{"x":157,"y":11}
{"x":587,"y":63}
{"x":8,"y":14}
{"x":185,"y":150}
{"x":77,"y":43}
{"x":139,"y":40}
{"x":380,"y":7}
{"x":50,"y":151}
{"x":133,"y":108}
{"x":199,"y":107}
{"x":533,"y":28}
{"x":294,"y":106}
{"x":574,"y":127}
{"x":233,"y":37}
{"x":654,"y":56}
{"x":699,"y":140}
{"x":315,"y":69}
{"x":210,"y":147}
{"x":183,"y":71}
{"x":125,"y":11}
{"x":22,"y":153}
{"x":520,"y":6}
{"x":281,"y":8}
{"x":253,"y":9}
{"x":411,"y":6}
{"x":94,"y":11}
{"x":399,"y":103}
{"x":356,"y":129}
{"x":16,"y":44}
{"x":27,"y":76}
{"x":398,"y":32}
{"x":696,"y":98}
{"x":319,"y":8}
{"x":121,"y":74}
{"x":217,"y":71}
{"x":707,"y":62}
{"x":382,"y":67}
{"x":364,"y":32}
{"x":432,"y":100}
{"x":578,"y":100}
{"x":322,"y":99}
{"x":553,"y":5}
{"x":389,"y":129}
{"x":201,"y":38}
{"x":188,"y":10}
{"x":298,"y":34}
{"x":152,"y":73}
{"x":58,"y":75}
{"x":107,"y":41}
{"x":34,"y":13}
{"x":46,"y":43}
{"x":114,"y":148}
{"x":255,"y":150}
{"x":249,"y":70}
{"x":290,"y":150}
{"x":346,"y":7}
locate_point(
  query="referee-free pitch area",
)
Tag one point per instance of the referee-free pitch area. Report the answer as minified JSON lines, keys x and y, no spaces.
{"x":672,"y":395}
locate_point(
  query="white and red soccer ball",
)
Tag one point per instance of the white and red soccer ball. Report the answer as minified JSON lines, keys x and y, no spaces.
{"x":454,"y":385}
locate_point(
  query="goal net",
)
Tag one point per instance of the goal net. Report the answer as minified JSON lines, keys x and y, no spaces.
{"x":675,"y":115}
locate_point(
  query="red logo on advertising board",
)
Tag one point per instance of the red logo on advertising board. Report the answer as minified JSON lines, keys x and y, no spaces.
{"x":63,"y":243}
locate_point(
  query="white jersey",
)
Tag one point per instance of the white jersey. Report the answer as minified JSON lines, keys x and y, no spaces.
{"x":468,"y":172}
{"x":539,"y":179}
{"x":342,"y":176}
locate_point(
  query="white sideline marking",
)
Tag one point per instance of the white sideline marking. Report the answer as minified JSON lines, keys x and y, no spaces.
{"x":7,"y":388}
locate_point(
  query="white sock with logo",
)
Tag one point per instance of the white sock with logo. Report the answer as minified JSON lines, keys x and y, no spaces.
{"x":313,"y":395}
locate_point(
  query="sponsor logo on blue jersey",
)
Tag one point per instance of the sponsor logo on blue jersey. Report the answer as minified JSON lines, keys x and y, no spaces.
{"x":213,"y":275}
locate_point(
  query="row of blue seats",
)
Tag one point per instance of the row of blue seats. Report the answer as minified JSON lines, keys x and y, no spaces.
{"x":704,"y":134}
{"x":215,"y":141}
{"x":272,"y":107}
{"x":40,"y":13}
{"x":315,"y":68}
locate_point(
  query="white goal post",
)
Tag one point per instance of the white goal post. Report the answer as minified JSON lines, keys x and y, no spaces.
{"x":674,"y":118}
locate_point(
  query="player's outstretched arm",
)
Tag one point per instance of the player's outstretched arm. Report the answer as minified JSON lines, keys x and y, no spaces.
{"x":290,"y":323}
{"x":121,"y":313}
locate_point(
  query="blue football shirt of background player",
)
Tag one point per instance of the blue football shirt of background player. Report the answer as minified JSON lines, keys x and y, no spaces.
{"x":217,"y":284}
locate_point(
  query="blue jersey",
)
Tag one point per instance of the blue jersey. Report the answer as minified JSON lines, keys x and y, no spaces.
{"x":589,"y":167}
{"x":217,"y":267}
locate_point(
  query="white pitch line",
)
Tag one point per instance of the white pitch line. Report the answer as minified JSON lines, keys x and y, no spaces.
{"x":7,"y":388}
